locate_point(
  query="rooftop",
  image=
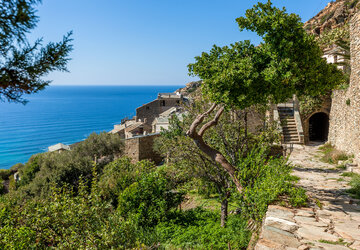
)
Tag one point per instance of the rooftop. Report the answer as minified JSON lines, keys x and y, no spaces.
{"x":58,"y":146}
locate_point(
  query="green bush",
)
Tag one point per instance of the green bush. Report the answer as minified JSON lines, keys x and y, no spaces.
{"x":64,"y":220}
{"x":120,"y":174}
{"x":5,"y":174}
{"x":53,"y":168}
{"x":264,"y":181}
{"x":2,"y":188}
{"x":148,"y":201}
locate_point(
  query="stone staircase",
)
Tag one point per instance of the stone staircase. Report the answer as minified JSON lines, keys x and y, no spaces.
{"x":288,"y":124}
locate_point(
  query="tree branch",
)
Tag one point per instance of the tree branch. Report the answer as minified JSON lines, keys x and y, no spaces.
{"x":214,"y":154}
{"x":199,"y":119}
{"x":211,"y":123}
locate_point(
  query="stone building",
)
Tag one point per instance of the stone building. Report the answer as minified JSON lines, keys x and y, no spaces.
{"x":141,"y":148}
{"x":163,"y":120}
{"x":149,"y":111}
{"x":344,"y":130}
{"x":142,"y":123}
{"x":59,"y":148}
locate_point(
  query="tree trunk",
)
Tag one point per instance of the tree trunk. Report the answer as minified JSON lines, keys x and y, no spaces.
{"x":214,"y":154}
{"x":224,"y":212}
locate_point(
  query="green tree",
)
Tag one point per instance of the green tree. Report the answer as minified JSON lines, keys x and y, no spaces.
{"x":231,"y":136}
{"x":287,"y":62}
{"x":23,"y":65}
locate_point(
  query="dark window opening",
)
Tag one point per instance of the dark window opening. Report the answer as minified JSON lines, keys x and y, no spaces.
{"x":162,"y":103}
{"x":319,"y":127}
{"x":147,"y":107}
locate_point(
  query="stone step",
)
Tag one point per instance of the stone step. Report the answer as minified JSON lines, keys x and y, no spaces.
{"x":291,"y":138}
{"x":289,"y":125}
{"x":285,"y":133}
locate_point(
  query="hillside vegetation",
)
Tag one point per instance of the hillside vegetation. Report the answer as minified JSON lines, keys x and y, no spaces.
{"x":220,"y":171}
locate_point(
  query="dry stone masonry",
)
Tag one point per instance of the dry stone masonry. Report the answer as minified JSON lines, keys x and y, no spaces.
{"x":344,"y":131}
{"x":332,"y":221}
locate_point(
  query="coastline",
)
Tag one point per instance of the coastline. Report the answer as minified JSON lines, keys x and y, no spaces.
{"x":62,"y":117}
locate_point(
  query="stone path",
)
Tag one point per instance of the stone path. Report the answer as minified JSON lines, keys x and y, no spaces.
{"x":332,"y":221}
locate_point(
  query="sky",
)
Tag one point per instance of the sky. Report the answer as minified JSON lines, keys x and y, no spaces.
{"x":142,"y":42}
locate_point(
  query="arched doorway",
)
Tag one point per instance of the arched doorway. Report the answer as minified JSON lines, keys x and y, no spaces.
{"x":319,"y":127}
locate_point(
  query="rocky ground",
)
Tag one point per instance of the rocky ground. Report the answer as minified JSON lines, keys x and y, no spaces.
{"x":332,"y":220}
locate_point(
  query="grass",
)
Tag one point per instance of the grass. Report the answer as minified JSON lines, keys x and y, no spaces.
{"x":318,"y":203}
{"x":342,"y":167}
{"x":354,"y":191}
{"x":350,"y":174}
{"x":338,"y":242}
{"x":331,"y":155}
{"x":211,"y":203}
{"x":340,"y":179}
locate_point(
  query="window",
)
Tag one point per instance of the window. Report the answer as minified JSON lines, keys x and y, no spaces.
{"x":162,"y":103}
{"x":147,"y":107}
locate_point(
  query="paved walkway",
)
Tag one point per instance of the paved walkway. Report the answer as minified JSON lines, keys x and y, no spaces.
{"x":332,"y":221}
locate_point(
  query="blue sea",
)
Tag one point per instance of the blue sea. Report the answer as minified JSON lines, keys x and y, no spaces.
{"x":66,"y":114}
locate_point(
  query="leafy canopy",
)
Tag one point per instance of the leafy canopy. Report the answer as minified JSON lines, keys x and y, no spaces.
{"x":23,"y":65}
{"x":287,"y":62}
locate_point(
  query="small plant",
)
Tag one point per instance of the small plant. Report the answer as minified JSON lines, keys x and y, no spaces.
{"x":349,"y":174}
{"x":342,"y":167}
{"x":318,"y":203}
{"x":340,"y":179}
{"x":332,"y":155}
{"x":348,"y":102}
{"x":338,"y":242}
{"x":355,"y":186}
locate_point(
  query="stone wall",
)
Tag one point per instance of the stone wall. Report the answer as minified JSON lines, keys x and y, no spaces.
{"x":324,"y":108}
{"x":344,"y":132}
{"x":141,"y":148}
{"x":151,"y":110}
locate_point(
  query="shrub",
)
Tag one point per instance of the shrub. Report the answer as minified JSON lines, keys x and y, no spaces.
{"x":148,"y":201}
{"x":64,"y":220}
{"x":120,"y":174}
{"x":53,"y":168}
{"x":5,"y":174}
{"x":264,"y":181}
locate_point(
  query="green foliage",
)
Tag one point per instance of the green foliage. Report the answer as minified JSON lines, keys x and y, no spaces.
{"x":200,"y":229}
{"x":330,"y":37}
{"x":148,"y":201}
{"x":310,"y":104}
{"x":264,"y":181}
{"x":63,"y":220}
{"x":332,"y":155}
{"x":120,"y":174}
{"x":2,"y":187}
{"x":288,"y":62}
{"x":348,"y":102}
{"x":23,"y":65}
{"x":28,"y":172}
{"x":326,"y":17}
{"x":53,"y":168}
{"x":355,"y":185}
{"x":5,"y":174}
{"x":351,"y":3}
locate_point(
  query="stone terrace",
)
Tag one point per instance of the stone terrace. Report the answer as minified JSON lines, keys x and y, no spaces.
{"x":332,"y":221}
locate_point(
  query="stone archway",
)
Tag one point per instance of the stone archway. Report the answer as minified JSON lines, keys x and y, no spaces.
{"x":319,"y":127}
